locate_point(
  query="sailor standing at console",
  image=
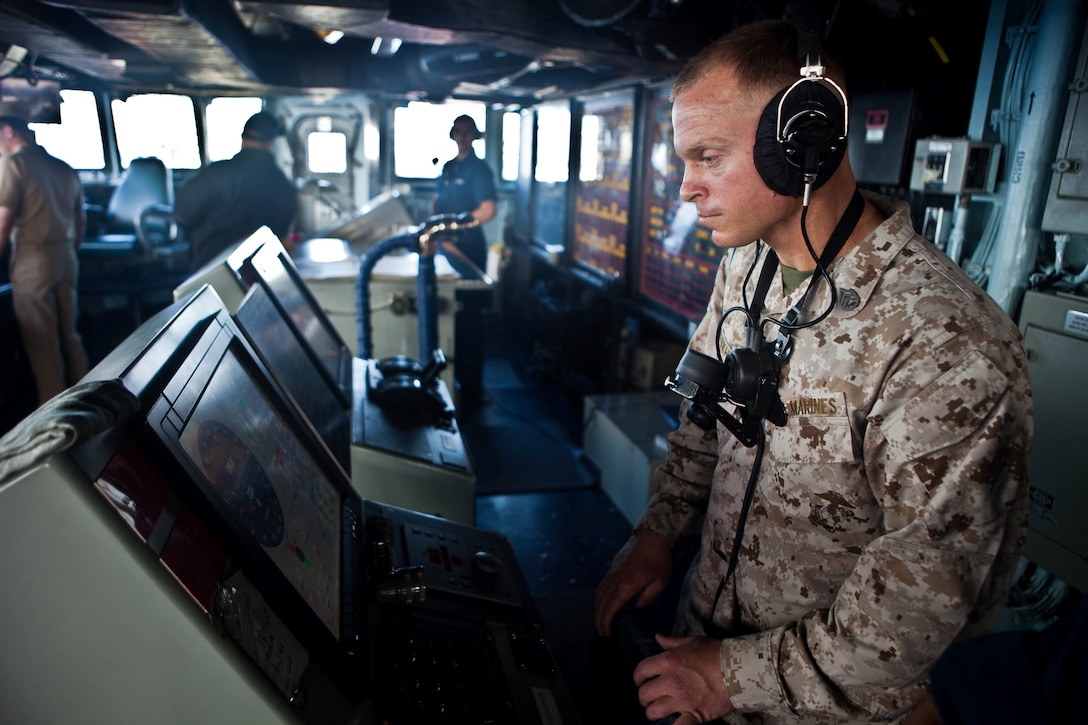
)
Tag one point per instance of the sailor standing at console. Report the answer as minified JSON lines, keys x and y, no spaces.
{"x":467,"y":184}
{"x":41,"y":214}
{"x":864,"y":491}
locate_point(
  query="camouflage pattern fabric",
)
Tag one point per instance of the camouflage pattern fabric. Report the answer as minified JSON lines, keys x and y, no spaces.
{"x":890,"y":509}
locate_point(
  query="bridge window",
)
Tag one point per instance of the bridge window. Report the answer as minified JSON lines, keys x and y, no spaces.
{"x":224,"y":119}
{"x":511,"y":145}
{"x":327,"y":152}
{"x":550,"y":177}
{"x":77,"y":139}
{"x":157,"y":124}
{"x":553,"y":143}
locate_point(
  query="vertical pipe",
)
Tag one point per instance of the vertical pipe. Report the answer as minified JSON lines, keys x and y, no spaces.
{"x":363,"y":324}
{"x":1045,"y":95}
{"x":987,"y":72}
{"x":959,"y":227}
{"x":427,"y":290}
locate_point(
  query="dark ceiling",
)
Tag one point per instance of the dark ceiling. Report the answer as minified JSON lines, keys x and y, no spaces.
{"x":512,"y":51}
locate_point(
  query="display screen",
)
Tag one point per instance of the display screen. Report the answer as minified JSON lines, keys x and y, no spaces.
{"x":269,"y":484}
{"x":679,"y":261}
{"x":303,"y":310}
{"x":320,"y":399}
{"x":603,"y":192}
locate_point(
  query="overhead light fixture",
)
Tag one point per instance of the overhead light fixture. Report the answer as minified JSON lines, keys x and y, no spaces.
{"x":15,"y":57}
{"x":385,"y":47}
{"x":332,"y":37}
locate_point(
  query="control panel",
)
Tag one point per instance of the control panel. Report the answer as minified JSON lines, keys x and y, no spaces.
{"x":459,"y":560}
{"x":954,"y":166}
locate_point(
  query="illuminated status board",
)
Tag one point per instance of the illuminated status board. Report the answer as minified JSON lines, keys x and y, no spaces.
{"x":604,"y":184}
{"x":678,"y":259}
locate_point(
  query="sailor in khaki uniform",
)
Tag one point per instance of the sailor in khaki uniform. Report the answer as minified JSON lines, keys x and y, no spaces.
{"x":41,"y":214}
{"x":889,"y":504}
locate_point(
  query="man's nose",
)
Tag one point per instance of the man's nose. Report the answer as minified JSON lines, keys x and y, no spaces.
{"x":690,"y":188}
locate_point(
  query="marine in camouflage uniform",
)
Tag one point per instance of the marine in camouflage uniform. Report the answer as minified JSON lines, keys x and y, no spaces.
{"x":890,"y":510}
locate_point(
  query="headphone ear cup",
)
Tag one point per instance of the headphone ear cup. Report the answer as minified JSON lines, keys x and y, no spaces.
{"x":814,"y":119}
{"x":769,"y":156}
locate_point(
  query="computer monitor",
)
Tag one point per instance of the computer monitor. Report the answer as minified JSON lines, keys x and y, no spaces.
{"x":678,"y":260}
{"x":223,"y":272}
{"x":602,"y":191}
{"x":245,"y":460}
{"x":296,"y":368}
{"x":272,"y":268}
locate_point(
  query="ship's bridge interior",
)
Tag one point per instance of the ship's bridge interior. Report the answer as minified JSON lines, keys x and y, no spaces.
{"x":347,"y":473}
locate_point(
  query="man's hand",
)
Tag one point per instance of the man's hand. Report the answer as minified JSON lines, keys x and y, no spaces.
{"x":642,"y":567}
{"x":686,"y":678}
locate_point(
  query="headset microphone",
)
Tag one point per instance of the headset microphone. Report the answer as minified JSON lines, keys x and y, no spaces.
{"x":750,"y":376}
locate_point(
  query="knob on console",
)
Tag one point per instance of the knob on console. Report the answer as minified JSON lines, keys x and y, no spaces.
{"x":486,"y":563}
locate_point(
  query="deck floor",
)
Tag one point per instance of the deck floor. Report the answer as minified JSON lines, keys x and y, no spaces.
{"x":534,"y":485}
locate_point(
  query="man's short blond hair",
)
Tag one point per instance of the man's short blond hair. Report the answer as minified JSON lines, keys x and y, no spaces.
{"x":762,"y":55}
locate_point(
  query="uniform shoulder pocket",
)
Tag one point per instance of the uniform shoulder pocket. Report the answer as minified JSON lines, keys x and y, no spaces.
{"x":946,"y":411}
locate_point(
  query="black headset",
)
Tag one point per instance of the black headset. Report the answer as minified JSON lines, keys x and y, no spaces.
{"x":406,"y":392}
{"x":800,"y":142}
{"x":801,"y":137}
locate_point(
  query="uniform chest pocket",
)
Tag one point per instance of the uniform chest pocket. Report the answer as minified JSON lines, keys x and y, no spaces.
{"x":814,"y":490}
{"x":817,"y":431}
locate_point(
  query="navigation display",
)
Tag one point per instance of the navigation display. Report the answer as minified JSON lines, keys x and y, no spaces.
{"x":269,"y":484}
{"x":289,"y":289}
{"x":299,"y":372}
{"x":679,"y":261}
{"x":603,"y":191}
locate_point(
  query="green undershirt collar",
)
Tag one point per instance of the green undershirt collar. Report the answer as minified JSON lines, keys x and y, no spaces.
{"x":792,"y":278}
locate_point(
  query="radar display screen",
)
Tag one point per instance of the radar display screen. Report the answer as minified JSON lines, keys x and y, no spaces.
{"x":679,"y":260}
{"x":603,"y":190}
{"x":269,"y":484}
